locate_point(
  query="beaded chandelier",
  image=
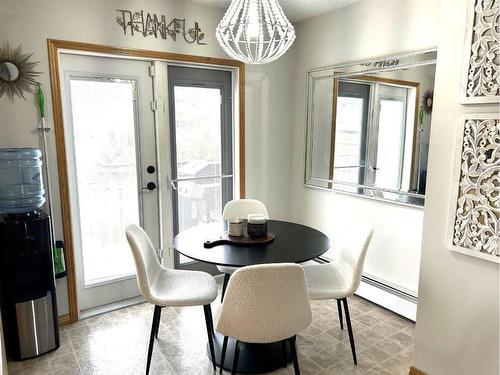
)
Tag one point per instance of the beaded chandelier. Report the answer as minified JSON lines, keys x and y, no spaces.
{"x":255,"y":31}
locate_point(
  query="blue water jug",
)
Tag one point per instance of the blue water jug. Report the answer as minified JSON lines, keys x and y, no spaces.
{"x":21,"y":185}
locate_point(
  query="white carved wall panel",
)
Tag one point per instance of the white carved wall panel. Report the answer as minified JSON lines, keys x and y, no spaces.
{"x":476,"y":206}
{"x":481,"y":77}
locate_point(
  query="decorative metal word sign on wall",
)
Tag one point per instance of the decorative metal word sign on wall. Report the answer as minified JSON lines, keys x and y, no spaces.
{"x":147,"y":24}
{"x":476,"y":211}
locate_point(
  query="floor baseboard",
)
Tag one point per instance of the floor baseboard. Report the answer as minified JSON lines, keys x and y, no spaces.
{"x":64,"y":319}
{"x":84,"y":314}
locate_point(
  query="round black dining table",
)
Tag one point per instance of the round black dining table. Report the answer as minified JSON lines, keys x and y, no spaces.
{"x":293,"y":243}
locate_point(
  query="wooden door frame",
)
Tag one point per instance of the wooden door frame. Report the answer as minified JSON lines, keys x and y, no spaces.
{"x":54,"y":47}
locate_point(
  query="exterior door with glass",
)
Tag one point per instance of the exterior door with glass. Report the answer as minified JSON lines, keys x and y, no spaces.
{"x":111,"y":156}
{"x":201,"y":146}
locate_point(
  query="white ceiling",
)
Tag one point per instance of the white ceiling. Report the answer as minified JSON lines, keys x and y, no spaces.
{"x":295,"y":10}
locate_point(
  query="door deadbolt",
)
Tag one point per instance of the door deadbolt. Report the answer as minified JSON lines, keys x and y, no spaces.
{"x":150,"y":186}
{"x":151,"y":169}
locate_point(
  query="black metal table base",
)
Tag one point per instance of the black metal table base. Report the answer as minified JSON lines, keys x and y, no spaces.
{"x":253,"y":358}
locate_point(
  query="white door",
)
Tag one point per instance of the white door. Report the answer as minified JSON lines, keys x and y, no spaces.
{"x":112,"y":170}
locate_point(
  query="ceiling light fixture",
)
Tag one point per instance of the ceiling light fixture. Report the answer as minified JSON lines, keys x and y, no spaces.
{"x":255,"y":31}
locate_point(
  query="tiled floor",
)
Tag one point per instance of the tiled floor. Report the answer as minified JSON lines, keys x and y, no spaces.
{"x":116,"y":343}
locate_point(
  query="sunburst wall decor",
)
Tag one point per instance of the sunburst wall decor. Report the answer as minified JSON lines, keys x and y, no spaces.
{"x":428,"y":101}
{"x":17,"y":72}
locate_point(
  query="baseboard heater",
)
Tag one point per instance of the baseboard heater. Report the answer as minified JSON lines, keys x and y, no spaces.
{"x":387,"y":296}
{"x":399,"y":293}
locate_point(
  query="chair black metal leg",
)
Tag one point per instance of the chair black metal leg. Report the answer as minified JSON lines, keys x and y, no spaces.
{"x":210,"y":332}
{"x":223,"y":353}
{"x":156,"y":319}
{"x":158,"y":323}
{"x":294,"y":355}
{"x":349,"y":329}
{"x":339,"y":309}
{"x":210,"y":318}
{"x":224,"y":286}
{"x":235,"y":358}
{"x":283,"y":349}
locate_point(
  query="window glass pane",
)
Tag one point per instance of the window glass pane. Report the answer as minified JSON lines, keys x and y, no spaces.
{"x":198,"y":130}
{"x":348,"y":139}
{"x":105,"y":154}
{"x":199,"y":202}
{"x":198,"y":143}
{"x":390,"y":143}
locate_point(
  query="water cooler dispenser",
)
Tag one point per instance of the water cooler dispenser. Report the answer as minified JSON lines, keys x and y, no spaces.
{"x":27,"y":284}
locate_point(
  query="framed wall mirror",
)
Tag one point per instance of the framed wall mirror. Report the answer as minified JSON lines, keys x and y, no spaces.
{"x":368,"y":126}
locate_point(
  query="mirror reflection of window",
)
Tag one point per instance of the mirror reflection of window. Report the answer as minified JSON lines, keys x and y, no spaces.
{"x":389,"y":164}
{"x":374,"y":150}
{"x":351,"y":132}
{"x":368,"y":132}
{"x":389,"y":146}
{"x":321,"y":137}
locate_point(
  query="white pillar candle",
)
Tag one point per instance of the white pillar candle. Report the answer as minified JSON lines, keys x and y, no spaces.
{"x":256,"y":219}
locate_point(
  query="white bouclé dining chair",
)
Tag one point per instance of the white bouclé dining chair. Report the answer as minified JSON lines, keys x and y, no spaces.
{"x":239,"y":209}
{"x":265,"y":304}
{"x":340,"y":278}
{"x":165,"y":287}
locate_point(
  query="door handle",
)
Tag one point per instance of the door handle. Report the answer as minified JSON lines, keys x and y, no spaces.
{"x":174,"y":181}
{"x":150,"y":186}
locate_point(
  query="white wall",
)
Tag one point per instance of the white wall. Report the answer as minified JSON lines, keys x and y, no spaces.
{"x":31,"y":23}
{"x":458,"y":311}
{"x":364,"y":30}
{"x":269,"y":93}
